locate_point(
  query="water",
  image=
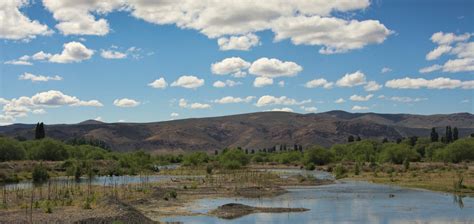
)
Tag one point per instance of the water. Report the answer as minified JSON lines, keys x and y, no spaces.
{"x":346,"y":202}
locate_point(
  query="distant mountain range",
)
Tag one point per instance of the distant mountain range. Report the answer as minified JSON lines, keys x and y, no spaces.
{"x":251,"y":131}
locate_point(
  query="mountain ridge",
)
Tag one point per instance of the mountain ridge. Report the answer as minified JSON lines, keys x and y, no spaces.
{"x":252,"y":130}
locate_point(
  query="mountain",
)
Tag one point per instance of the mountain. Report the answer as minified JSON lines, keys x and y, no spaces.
{"x":252,"y":131}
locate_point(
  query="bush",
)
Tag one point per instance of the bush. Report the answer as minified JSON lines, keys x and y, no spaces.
{"x":11,"y":149}
{"x":310,"y":166}
{"x":318,"y":156}
{"x":397,"y":153}
{"x":460,"y":150}
{"x":195,"y":159}
{"x":340,"y":171}
{"x":48,"y":149}
{"x":233,"y":159}
{"x":40,"y":174}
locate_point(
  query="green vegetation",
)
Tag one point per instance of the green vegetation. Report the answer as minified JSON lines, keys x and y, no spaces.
{"x":40,"y":174}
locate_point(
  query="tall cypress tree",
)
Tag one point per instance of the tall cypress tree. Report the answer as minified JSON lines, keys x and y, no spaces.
{"x":41,"y":132}
{"x":350,"y":138}
{"x":449,"y":134}
{"x":434,"y":135}
{"x":37,"y":135}
{"x":455,"y":134}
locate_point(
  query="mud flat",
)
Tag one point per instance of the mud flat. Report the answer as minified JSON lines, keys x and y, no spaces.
{"x":236,"y":210}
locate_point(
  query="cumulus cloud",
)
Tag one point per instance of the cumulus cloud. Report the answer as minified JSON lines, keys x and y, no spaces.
{"x":283,"y":100}
{"x":262,"y":81}
{"x":319,"y":83}
{"x":361,"y":98}
{"x":273,"y":68}
{"x":437,"y":52}
{"x":283,"y":109}
{"x":340,"y":100}
{"x":183,"y":103}
{"x":222,"y":84}
{"x":437,"y":83}
{"x":188,"y":82}
{"x":17,"y":26}
{"x":159,"y":83}
{"x":72,"y":52}
{"x":125,"y":102}
{"x":242,"y":43}
{"x":357,"y":108}
{"x":174,"y":114}
{"x":372,"y":86}
{"x":231,"y":99}
{"x":448,"y":38}
{"x":20,"y":107}
{"x":233,"y":65}
{"x":459,"y":65}
{"x":334,"y":34}
{"x":281,"y":83}
{"x":39,"y":78}
{"x":352,"y":79}
{"x":431,"y":68}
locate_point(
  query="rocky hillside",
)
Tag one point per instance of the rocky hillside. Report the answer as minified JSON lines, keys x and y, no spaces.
{"x":252,"y":131}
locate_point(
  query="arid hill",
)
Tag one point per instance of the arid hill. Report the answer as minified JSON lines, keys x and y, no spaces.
{"x":251,"y":131}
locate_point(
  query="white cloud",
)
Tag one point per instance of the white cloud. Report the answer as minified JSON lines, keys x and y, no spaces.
{"x":99,"y":118}
{"x":459,"y":65}
{"x":283,"y":100}
{"x":351,"y":79}
{"x":159,"y":83}
{"x":404,"y":99}
{"x":361,"y":98}
{"x":431,"y":68}
{"x":284,"y":109}
{"x":184,"y":104}
{"x":262,"y":81}
{"x":20,"y":107}
{"x":188,"y":81}
{"x":448,"y":38}
{"x":18,"y":62}
{"x":334,"y":34}
{"x":233,"y":65}
{"x":231,"y":99}
{"x":437,"y":52}
{"x":17,"y":26}
{"x":385,"y":70}
{"x":372,"y":86}
{"x":340,"y":100}
{"x":222,"y":84}
{"x":309,"y":109}
{"x":437,"y":83}
{"x":464,"y":50}
{"x":319,"y":83}
{"x":111,"y":54}
{"x":39,"y":78}
{"x":41,"y":56}
{"x":72,"y":52}
{"x":125,"y":102}
{"x":174,"y":114}
{"x":38,"y":111}
{"x":356,"y":108}
{"x":272,"y":68}
{"x":281,"y":83}
{"x":78,"y":17}
{"x":242,"y":43}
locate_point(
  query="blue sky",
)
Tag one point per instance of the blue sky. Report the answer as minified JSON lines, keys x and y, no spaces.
{"x":99,"y":57}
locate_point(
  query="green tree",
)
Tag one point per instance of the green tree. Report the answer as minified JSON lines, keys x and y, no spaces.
{"x":350,"y":138}
{"x":40,"y":174}
{"x":48,"y":149}
{"x":397,"y":153}
{"x":39,"y":131}
{"x":11,"y":149}
{"x":461,"y":150}
{"x":455,"y":134}
{"x":449,"y":135}
{"x":434,"y":135}
{"x":233,"y":159}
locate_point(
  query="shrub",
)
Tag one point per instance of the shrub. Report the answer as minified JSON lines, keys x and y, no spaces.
{"x":397,"y":153}
{"x":11,"y":150}
{"x":233,"y":159}
{"x":340,"y":171}
{"x":460,"y":150}
{"x":195,"y":159}
{"x":318,"y":156}
{"x":48,"y":149}
{"x":40,"y":174}
{"x":310,"y":166}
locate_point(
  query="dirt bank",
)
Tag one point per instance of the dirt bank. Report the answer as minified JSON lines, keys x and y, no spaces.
{"x":235,"y":210}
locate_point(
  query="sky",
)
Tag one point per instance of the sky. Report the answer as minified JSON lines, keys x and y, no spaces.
{"x":144,"y":61}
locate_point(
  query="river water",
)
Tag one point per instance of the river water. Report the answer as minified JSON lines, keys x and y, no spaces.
{"x":346,"y":202}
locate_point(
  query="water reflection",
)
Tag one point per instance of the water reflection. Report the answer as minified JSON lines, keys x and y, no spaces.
{"x":457,"y":199}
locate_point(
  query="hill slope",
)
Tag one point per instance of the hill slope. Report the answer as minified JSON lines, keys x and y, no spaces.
{"x":252,"y":131}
